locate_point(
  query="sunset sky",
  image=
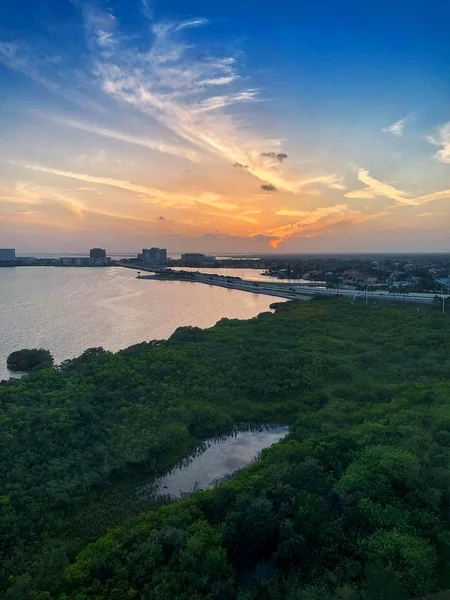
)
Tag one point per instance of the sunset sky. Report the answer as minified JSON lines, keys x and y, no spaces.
{"x":225,"y":126}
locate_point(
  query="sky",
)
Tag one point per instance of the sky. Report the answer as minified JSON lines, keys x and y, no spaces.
{"x":225,"y":127}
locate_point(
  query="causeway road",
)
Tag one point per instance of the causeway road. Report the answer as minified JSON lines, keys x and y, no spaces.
{"x":289,"y":291}
{"x":277,"y":290}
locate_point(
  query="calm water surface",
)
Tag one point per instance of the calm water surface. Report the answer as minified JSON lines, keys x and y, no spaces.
{"x":222,"y":457}
{"x":67,"y":310}
{"x":249,"y":274}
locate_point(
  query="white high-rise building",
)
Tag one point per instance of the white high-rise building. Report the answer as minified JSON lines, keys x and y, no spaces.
{"x":154,"y":257}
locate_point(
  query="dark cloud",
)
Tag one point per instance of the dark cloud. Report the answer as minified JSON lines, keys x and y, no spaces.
{"x":162,"y":218}
{"x":268,"y":187}
{"x":237,"y":164}
{"x":280,"y":156}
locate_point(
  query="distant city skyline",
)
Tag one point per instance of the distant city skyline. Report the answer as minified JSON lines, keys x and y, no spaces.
{"x":224,"y":127}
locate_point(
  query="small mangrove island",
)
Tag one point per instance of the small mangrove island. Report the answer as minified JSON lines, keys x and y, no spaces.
{"x":27,"y":360}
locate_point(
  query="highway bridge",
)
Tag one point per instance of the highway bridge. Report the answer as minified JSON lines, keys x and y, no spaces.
{"x":287,"y":291}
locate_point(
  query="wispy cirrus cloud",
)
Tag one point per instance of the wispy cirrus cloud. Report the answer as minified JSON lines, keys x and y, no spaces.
{"x":45,"y":69}
{"x":192,"y":94}
{"x":20,"y":192}
{"x":311,"y":223}
{"x":376,"y":188}
{"x":233,"y":217}
{"x":25,"y":194}
{"x":149,"y":194}
{"x":398,"y":127}
{"x":101,"y":27}
{"x":145,"y":142}
{"x":332,"y":181}
{"x":361,"y":194}
{"x":191,"y":23}
{"x":428,"y":214}
{"x":309,"y":217}
{"x":20,"y":59}
{"x":175,"y":85}
{"x":147,"y":9}
{"x":441,"y":137}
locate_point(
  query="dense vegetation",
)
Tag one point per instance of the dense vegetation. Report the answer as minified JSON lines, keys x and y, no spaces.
{"x":27,"y":360}
{"x":354,"y":505}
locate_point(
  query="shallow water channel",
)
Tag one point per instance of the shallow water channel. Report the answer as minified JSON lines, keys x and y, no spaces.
{"x":218,"y":458}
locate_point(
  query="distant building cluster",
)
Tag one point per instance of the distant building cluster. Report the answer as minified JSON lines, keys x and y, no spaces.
{"x":97,"y":258}
{"x":421,"y":273}
{"x":355,"y":275}
{"x":157,"y":258}
{"x":195,"y":259}
{"x":149,"y":257}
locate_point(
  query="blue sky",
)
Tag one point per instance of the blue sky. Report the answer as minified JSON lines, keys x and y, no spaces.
{"x":225,"y":127}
